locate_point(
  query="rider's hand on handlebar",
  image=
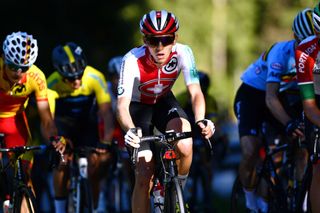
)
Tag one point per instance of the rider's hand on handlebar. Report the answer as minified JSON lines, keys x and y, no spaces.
{"x":207,"y":128}
{"x":294,"y":128}
{"x":132,"y":137}
{"x":59,"y":143}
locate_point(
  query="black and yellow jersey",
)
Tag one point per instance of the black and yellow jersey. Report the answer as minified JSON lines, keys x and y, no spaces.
{"x":81,"y":102}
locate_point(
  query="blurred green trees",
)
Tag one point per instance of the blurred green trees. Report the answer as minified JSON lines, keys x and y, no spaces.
{"x":225,"y":35}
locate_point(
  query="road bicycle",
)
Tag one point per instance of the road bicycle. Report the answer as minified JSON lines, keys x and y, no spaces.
{"x":283,"y":190}
{"x":21,"y":193}
{"x":118,"y":185}
{"x":80,"y":199}
{"x":168,"y":175}
{"x":304,"y":204}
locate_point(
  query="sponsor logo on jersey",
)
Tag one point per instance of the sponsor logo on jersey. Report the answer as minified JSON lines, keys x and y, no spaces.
{"x":310,"y":49}
{"x":41,"y":82}
{"x":171,"y":65}
{"x":275,"y":74}
{"x":120,"y":90}
{"x":301,"y":63}
{"x":276,"y":66}
{"x":18,"y":89}
{"x":257,"y":70}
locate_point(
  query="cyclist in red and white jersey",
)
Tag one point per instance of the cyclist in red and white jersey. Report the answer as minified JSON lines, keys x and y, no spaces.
{"x":308,"y":73}
{"x":145,"y":98}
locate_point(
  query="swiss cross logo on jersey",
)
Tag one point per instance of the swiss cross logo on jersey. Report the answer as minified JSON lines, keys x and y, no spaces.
{"x":171,"y":65}
{"x":154,"y":88}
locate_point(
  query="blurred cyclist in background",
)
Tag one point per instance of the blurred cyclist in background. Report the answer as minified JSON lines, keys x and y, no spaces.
{"x":258,"y":100}
{"x":79,"y":98}
{"x":122,"y":163}
{"x":203,"y":164}
{"x":19,"y":78}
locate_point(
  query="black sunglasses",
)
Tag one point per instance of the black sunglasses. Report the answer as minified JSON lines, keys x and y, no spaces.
{"x":165,"y":40}
{"x":16,"y":68}
{"x":73,"y":79}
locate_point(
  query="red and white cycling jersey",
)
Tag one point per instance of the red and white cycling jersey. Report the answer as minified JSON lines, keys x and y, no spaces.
{"x":308,"y":67}
{"x":142,"y":81}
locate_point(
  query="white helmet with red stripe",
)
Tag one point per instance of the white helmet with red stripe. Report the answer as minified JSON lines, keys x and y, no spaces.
{"x":21,"y":49}
{"x":159,"y":22}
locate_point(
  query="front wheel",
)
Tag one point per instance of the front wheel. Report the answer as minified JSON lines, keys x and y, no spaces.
{"x":173,"y":197}
{"x":24,"y":200}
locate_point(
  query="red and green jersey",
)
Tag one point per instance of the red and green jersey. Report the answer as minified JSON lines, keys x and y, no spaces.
{"x":308,"y":67}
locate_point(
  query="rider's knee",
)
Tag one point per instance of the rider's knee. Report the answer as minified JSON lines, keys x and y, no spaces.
{"x":185,"y":147}
{"x":179,"y":125}
{"x":249,"y":147}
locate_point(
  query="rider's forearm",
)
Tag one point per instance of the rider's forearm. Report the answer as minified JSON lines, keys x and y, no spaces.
{"x":312,"y":111}
{"x":48,"y":129}
{"x":198,"y":107}
{"x":125,"y":120}
{"x":277,"y":110}
{"x":197,"y":101}
{"x":105,"y":112}
{"x":123,"y":114}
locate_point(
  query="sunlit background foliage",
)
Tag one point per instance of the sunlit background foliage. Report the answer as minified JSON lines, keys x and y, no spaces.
{"x":225,"y":35}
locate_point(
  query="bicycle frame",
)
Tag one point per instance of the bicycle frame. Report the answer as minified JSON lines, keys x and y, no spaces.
{"x":20,"y":187}
{"x":172,"y":186}
{"x":80,"y":188}
{"x":283,"y":197}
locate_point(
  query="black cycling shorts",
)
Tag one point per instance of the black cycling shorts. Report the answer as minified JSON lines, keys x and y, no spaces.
{"x":82,"y":132}
{"x":250,"y":109}
{"x":252,"y":112}
{"x":148,"y":116}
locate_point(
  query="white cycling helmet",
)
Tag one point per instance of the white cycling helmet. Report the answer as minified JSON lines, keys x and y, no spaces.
{"x":20,"y":49}
{"x":302,"y":25}
{"x":316,"y":17}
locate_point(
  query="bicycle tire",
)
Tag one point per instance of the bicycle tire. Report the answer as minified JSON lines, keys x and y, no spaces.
{"x":238,"y":200}
{"x":173,"y":198}
{"x":86,"y":202}
{"x":304,"y":196}
{"x":24,"y":192}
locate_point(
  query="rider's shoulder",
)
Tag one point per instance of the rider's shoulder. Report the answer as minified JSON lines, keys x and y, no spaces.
{"x":309,"y":40}
{"x":35,"y":72}
{"x":91,"y":75}
{"x":135,"y":53}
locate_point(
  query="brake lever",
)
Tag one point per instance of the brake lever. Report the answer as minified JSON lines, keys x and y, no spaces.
{"x":135,"y":158}
{"x":208,"y":142}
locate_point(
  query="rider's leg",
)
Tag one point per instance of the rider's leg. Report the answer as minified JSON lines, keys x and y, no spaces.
{"x":184,"y":147}
{"x":247,"y":169}
{"x":144,"y":171}
{"x":97,"y":171}
{"x":60,"y":178}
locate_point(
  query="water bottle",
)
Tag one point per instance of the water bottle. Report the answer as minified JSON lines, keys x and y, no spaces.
{"x":83,"y":165}
{"x":7,"y":208}
{"x":158,"y":198}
